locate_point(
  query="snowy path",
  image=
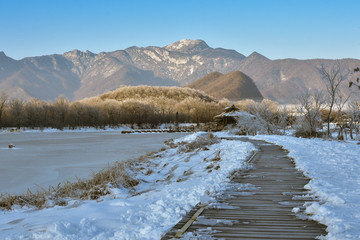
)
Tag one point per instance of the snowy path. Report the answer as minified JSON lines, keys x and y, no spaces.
{"x":265,"y":202}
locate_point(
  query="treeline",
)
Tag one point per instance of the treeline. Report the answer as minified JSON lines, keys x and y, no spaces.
{"x":127,"y":105}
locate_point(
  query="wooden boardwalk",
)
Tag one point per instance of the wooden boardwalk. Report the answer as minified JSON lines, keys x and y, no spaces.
{"x":258,"y":203}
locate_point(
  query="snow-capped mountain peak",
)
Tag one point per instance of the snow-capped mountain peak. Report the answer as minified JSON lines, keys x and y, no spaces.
{"x":78,"y":53}
{"x":187,"y":46}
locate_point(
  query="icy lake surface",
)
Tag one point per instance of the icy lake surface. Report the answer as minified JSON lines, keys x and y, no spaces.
{"x":47,"y":158}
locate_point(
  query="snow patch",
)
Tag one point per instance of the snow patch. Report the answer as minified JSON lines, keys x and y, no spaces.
{"x":197,"y":58}
{"x":283,"y":77}
{"x":152,"y":55}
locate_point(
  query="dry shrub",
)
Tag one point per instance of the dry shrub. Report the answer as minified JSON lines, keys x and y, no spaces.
{"x":200,"y":142}
{"x":29,"y":199}
{"x":308,"y":134}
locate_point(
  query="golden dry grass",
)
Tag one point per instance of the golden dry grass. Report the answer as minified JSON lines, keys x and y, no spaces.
{"x":118,"y":175}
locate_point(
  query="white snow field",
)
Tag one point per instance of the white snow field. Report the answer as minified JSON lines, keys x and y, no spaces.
{"x":51,"y":156}
{"x":334,"y":168}
{"x":171,"y":184}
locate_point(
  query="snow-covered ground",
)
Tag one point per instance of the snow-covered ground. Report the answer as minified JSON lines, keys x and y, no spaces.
{"x":172,"y":183}
{"x":334,"y":168}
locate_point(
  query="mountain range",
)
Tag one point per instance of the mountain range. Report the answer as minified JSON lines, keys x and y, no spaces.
{"x":78,"y":74}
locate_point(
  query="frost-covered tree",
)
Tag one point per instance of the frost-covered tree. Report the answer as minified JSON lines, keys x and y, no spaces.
{"x":3,"y":100}
{"x":309,"y":108}
{"x":267,"y":114}
{"x":271,"y":116}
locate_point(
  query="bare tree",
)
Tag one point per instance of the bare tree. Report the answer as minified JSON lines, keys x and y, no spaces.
{"x":354,"y":118}
{"x":342,"y":117}
{"x":35,"y":113}
{"x":310,"y":106}
{"x":61,"y":106}
{"x":332,"y":79}
{"x":3,"y":100}
{"x":283,"y":119}
{"x":16,"y":110}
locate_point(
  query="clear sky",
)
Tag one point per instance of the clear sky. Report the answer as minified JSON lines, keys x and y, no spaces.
{"x":300,"y":29}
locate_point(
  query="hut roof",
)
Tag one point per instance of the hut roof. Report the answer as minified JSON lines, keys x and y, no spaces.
{"x":233,"y":108}
{"x":236,"y":114}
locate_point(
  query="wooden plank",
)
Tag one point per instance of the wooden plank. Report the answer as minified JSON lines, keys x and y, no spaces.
{"x":188,"y":223}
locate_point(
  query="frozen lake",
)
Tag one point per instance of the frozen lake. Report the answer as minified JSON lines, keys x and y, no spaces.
{"x":47,"y":158}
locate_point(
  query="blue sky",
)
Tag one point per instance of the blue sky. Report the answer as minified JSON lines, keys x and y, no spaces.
{"x":300,"y":29}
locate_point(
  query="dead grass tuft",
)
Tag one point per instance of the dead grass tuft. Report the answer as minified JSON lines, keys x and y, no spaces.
{"x":217,"y":157}
{"x":170,"y":143}
{"x":118,"y":175}
{"x":188,"y":172}
{"x":181,"y":179}
{"x":209,"y":166}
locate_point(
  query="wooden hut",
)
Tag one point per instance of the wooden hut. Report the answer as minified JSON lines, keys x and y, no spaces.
{"x":233,"y":117}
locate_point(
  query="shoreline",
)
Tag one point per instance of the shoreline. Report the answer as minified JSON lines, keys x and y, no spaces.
{"x":122,"y":128}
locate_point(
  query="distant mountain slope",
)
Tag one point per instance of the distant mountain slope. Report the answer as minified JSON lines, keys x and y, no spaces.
{"x":77,"y":74}
{"x":43,"y":77}
{"x":284,"y":79}
{"x":233,"y":86}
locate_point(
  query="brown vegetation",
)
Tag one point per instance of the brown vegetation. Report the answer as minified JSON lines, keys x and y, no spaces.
{"x":127,"y":105}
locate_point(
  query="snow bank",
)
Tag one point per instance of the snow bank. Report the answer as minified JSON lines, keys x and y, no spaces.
{"x":171,"y":184}
{"x":334,"y":168}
